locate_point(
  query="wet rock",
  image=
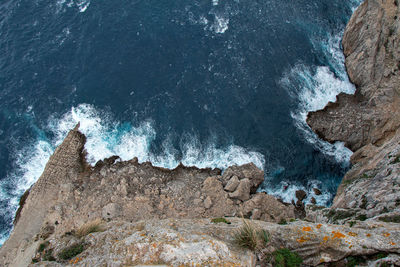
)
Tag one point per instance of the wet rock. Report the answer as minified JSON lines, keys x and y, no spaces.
{"x":301,"y":195}
{"x":313,"y":200}
{"x":317,"y":192}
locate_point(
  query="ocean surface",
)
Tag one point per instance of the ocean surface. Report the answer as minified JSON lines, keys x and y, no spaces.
{"x":208,"y":83}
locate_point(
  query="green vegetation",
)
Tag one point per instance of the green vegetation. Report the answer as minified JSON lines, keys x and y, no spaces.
{"x":392,"y":218}
{"x":264,"y":236}
{"x":396,"y":160}
{"x":48,"y":255}
{"x":381,"y":255}
{"x":282,"y":222}
{"x":354,"y":261}
{"x":352,"y":223}
{"x":43,"y":246}
{"x":336,"y":215}
{"x":247,"y":236}
{"x":361,"y":217}
{"x":35,"y":260}
{"x":71,"y":251}
{"x":220,"y":220}
{"x":286,"y":258}
{"x":90,"y":227}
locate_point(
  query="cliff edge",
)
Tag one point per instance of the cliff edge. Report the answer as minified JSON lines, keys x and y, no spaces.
{"x":126,"y":213}
{"x":368,"y":121}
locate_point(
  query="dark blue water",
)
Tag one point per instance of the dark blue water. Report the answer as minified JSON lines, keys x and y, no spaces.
{"x":208,"y":83}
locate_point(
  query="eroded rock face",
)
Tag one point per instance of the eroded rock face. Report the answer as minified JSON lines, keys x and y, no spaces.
{"x":368,"y":122}
{"x":371,"y":45}
{"x":70,"y":193}
{"x":199,"y":242}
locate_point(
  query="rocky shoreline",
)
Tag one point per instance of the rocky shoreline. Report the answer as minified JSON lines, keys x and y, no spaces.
{"x":125,"y":213}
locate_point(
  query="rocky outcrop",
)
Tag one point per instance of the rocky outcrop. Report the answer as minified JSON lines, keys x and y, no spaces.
{"x":126,"y":213}
{"x":368,"y":122}
{"x":200,"y":242}
{"x":70,"y":193}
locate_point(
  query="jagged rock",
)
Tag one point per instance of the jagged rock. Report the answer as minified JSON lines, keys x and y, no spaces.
{"x":369,"y":121}
{"x":232,"y":184}
{"x":301,"y":195}
{"x":317,"y":192}
{"x":207,"y":203}
{"x":242,"y":192}
{"x":249,"y":171}
{"x":313,"y":200}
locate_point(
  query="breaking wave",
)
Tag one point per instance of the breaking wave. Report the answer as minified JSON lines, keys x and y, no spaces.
{"x":106,"y":138}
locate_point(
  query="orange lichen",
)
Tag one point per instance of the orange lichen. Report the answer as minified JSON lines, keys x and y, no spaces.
{"x":386,"y":234}
{"x":325,"y":238}
{"x":319,"y":226}
{"x":307,"y":229}
{"x":352,"y":234}
{"x":75,"y":261}
{"x":337,"y":235}
{"x":368,"y":235}
{"x":301,"y":239}
{"x":392,"y":243}
{"x":154,"y":245}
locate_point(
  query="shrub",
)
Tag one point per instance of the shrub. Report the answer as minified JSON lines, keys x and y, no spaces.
{"x":43,"y":246}
{"x":392,"y":218}
{"x":355,"y":261}
{"x":90,"y":227}
{"x":361,"y":217}
{"x":286,"y":258}
{"x":282,"y":222}
{"x":48,"y":255}
{"x":71,"y":251}
{"x":220,"y":220}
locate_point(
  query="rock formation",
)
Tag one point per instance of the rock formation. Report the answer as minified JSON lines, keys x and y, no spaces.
{"x":368,"y":122}
{"x":126,"y":213}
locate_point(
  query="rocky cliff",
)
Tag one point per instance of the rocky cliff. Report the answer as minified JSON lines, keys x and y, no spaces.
{"x":368,"y":122}
{"x":125,"y":213}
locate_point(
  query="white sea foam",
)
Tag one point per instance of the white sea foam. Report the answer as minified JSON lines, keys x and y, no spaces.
{"x":106,"y":138}
{"x":220,"y":24}
{"x":82,"y":5}
{"x":314,"y":88}
{"x":287,"y":192}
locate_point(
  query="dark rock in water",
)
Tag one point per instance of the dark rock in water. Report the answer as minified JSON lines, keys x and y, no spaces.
{"x":317,"y":191}
{"x":313,"y":200}
{"x":301,"y":195}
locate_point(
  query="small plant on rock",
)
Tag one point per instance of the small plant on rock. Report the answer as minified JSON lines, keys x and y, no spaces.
{"x":220,"y":220}
{"x":286,"y":258}
{"x":247,"y":236}
{"x":71,"y":251}
{"x":90,"y":227}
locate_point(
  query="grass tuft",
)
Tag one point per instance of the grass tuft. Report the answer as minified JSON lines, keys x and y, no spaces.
{"x":247,"y":236}
{"x":90,"y":227}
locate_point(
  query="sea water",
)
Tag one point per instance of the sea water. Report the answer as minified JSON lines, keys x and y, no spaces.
{"x":207,"y":83}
